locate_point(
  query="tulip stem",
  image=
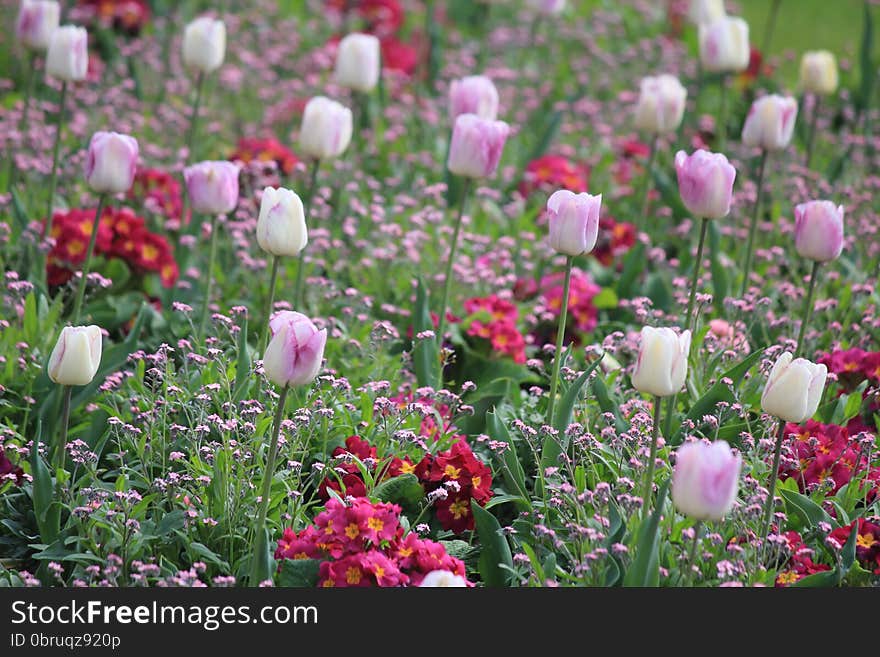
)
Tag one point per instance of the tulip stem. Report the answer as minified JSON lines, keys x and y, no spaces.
{"x":704,"y":226}
{"x":276,"y":260}
{"x":753,"y":224}
{"x":646,"y":182}
{"x":770,"y":27}
{"x":307,"y":207}
{"x":447,"y":282}
{"x":203,"y":322}
{"x":53,"y":178}
{"x":808,"y":308}
{"x":193,"y":123}
{"x":771,"y":486}
{"x":258,"y":570}
{"x":722,"y":113}
{"x":87,"y":264}
{"x":692,"y":557}
{"x":811,"y":135}
{"x":560,"y":337}
{"x":648,"y":487}
{"x":25,"y":112}
{"x":61,"y":448}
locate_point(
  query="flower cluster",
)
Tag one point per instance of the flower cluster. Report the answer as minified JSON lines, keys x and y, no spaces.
{"x":428,"y":427}
{"x":867,"y":542}
{"x":494,"y":319}
{"x":126,"y":16}
{"x":121,"y":234}
{"x":347,"y":479}
{"x":384,"y":19}
{"x":852,"y":366}
{"x":9,"y":470}
{"x":552,"y":172}
{"x":159,"y":191}
{"x":269,"y":149}
{"x":615,"y":239}
{"x":582,"y":314}
{"x":826,"y":456}
{"x":800,"y":564}
{"x":362,"y":544}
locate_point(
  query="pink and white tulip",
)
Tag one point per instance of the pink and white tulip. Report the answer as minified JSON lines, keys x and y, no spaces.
{"x":76,"y":356}
{"x":818,"y":232}
{"x":212,"y":187}
{"x":67,"y":58}
{"x":705,"y":183}
{"x":111,"y":162}
{"x":661,"y":104}
{"x":204,"y":44}
{"x":326,"y":129}
{"x":574,"y":222}
{"x":662,"y":364}
{"x":770,"y":122}
{"x":37,"y":19}
{"x":705,"y":480}
{"x":724,"y":45}
{"x":296,"y":350}
{"x":476,"y":146}
{"x":794,"y":388}
{"x":474,"y":94}
{"x":358,"y":62}
{"x":281,"y":227}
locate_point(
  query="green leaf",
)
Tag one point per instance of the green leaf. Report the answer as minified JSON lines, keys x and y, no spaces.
{"x":555,"y":445}
{"x":633,"y":265}
{"x":42,"y":494}
{"x":820,"y":580}
{"x":868,"y":68}
{"x":719,"y":272}
{"x":803,"y":508}
{"x":404,"y":490}
{"x":606,"y":299}
{"x":513,"y":472}
{"x":243,"y":364}
{"x":299,"y":573}
{"x":426,"y":353}
{"x":607,"y":404}
{"x":848,"y":554}
{"x":645,"y":569}
{"x":495,"y":556}
{"x":30,"y":319}
{"x":171,"y":522}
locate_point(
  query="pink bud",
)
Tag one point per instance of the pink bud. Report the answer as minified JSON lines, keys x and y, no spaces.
{"x":111,"y":162}
{"x":818,"y":232}
{"x":474,"y":94}
{"x":37,"y":19}
{"x":770,"y":122}
{"x":295,"y":352}
{"x":705,"y":182}
{"x":574,"y":221}
{"x":705,"y":480}
{"x":476,"y":146}
{"x":212,"y":187}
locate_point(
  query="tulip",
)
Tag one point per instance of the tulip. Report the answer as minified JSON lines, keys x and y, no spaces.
{"x":475,"y":94}
{"x":67,"y":58}
{"x":704,"y":480}
{"x":724,"y":45}
{"x":443,"y":578}
{"x":661,"y":104}
{"x":548,"y":7}
{"x":204,"y":44}
{"x":706,"y":12}
{"x":792,"y":393}
{"x":574,"y":222}
{"x":358,"y":62}
{"x":476,"y":146}
{"x":212,"y":187}
{"x":37,"y":19}
{"x":818,"y":233}
{"x":819,"y":72}
{"x":293,"y":358}
{"x":326,"y":129}
{"x":705,"y":183}
{"x":770,"y":122}
{"x":662,"y":364}
{"x":111,"y":162}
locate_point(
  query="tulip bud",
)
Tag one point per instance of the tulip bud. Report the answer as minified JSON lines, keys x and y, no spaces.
{"x":326,"y":129}
{"x":212,"y":187}
{"x":724,"y":45}
{"x":702,"y":12}
{"x":476,"y":146}
{"x":37,"y":19}
{"x":475,"y":94}
{"x":818,"y":232}
{"x":357,"y":62}
{"x":443,"y":578}
{"x":794,"y":388}
{"x":281,"y":228}
{"x":204,"y":44}
{"x":661,"y":104}
{"x":705,"y":183}
{"x":548,"y":7}
{"x":295,"y":352}
{"x":705,"y":479}
{"x":770,"y":122}
{"x":819,"y":72}
{"x":111,"y":162}
{"x":662,"y":364}
{"x":67,"y":58}
{"x":574,"y":222}
{"x":76,"y":356}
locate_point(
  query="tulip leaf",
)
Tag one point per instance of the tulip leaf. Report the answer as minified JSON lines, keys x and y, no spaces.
{"x":243,"y":365}
{"x":496,"y":560}
{"x":868,"y":69}
{"x":719,"y":272}
{"x":42,"y":494}
{"x":513,"y":472}
{"x":607,"y":404}
{"x":299,"y":573}
{"x":645,"y":569}
{"x":556,"y":445}
{"x":824,"y":579}
{"x":426,"y":352}
{"x":803,"y":508}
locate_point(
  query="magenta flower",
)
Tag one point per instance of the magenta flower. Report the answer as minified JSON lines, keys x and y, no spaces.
{"x":705,"y":480}
{"x":705,"y":182}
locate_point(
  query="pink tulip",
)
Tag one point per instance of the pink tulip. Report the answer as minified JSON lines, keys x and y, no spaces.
{"x":212,"y":187}
{"x":818,"y":233}
{"x":705,"y":479}
{"x":474,"y":94}
{"x":574,"y":222}
{"x":705,"y":182}
{"x":111,"y":162}
{"x":67,"y":57}
{"x":770,"y":122}
{"x":37,"y":19}
{"x":296,"y":350}
{"x":476,"y":146}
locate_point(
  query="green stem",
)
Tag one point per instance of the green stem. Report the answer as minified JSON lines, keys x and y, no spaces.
{"x":646,"y":182}
{"x":447,"y":283}
{"x":771,"y":486}
{"x":61,"y":448}
{"x":753,"y":225}
{"x":25,"y":113}
{"x":648,"y":486}
{"x":258,"y":573}
{"x":808,"y":308}
{"x":770,"y":27}
{"x":722,"y":113}
{"x":307,"y":207}
{"x":560,"y":336}
{"x":276,"y":260}
{"x":53,"y":179}
{"x":811,"y":136}
{"x":193,"y":124}
{"x":203,"y":322}
{"x":692,"y":558}
{"x":87,"y":264}
{"x":704,"y":226}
